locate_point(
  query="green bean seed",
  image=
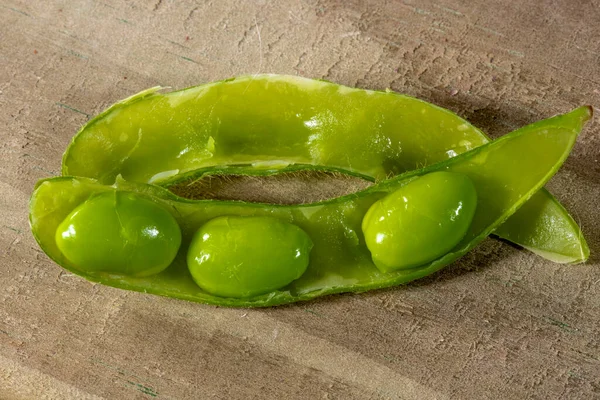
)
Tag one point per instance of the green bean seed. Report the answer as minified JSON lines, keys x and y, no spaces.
{"x":420,"y":221}
{"x":121,"y":233}
{"x":246,"y":256}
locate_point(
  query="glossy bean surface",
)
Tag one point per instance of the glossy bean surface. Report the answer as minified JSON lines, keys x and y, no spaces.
{"x":234,"y":256}
{"x":119,"y":232}
{"x":420,"y":221}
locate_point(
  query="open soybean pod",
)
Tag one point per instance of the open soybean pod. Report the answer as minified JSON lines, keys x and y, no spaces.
{"x":272,"y":121}
{"x":339,"y":257}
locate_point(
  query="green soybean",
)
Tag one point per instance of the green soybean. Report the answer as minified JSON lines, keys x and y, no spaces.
{"x":340,"y":260}
{"x":119,"y":232}
{"x":268,"y":122}
{"x":420,"y":221}
{"x":246,"y":256}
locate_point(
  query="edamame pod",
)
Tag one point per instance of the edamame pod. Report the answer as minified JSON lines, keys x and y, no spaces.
{"x":272,"y":121}
{"x":340,"y":261}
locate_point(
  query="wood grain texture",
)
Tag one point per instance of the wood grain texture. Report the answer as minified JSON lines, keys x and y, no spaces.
{"x":500,"y":323}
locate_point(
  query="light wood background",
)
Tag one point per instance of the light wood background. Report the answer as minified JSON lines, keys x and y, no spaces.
{"x":500,"y":323}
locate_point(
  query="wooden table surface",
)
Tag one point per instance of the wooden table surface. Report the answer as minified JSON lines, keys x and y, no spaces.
{"x":500,"y":323}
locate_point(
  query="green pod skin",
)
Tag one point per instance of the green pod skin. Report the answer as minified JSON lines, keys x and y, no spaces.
{"x":421,"y":221}
{"x":340,"y":260}
{"x":273,"y":121}
{"x":119,"y":232}
{"x":234,"y":256}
